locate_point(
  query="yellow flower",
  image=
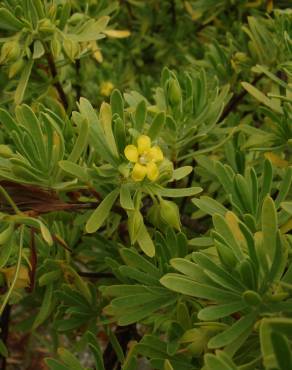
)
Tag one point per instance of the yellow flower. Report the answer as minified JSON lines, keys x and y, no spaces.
{"x":145,"y":158}
{"x":106,"y":88}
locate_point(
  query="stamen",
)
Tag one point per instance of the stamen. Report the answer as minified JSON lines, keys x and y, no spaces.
{"x":143,"y":159}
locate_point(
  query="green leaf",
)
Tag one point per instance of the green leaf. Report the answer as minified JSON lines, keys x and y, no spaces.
{"x":55,"y":365}
{"x":180,"y":173}
{"x":46,"y":307}
{"x":223,"y":229}
{"x":167,"y":365}
{"x":22,"y":84}
{"x":74,"y":170}
{"x":81,"y":142}
{"x":209,"y":205}
{"x":95,"y":348}
{"x":125,"y":197}
{"x":98,"y":216}
{"x":145,"y":242}
{"x":6,"y":234}
{"x":96,"y":133}
{"x":69,"y":359}
{"x":215,"y":363}
{"x":117,"y":104}
{"x":5,"y":252}
{"x":156,"y":125}
{"x":140,"y":115}
{"x":201,"y":242}
{"x":263,"y":69}
{"x":65,"y":14}
{"x":134,"y":259}
{"x":262,"y":98}
{"x":217,"y":312}
{"x":269,"y":227}
{"x":282,"y":350}
{"x":267,"y":179}
{"x":234,"y":331}
{"x":144,"y":311}
{"x":116,"y":346}
{"x":38,"y":49}
{"x":217,"y":273}
{"x":189,"y":287}
{"x":49,"y":277}
{"x":34,"y":222}
{"x":179,"y":192}
{"x":287,"y":206}
{"x":28,"y":119}
{"x":284,"y":187}
{"x":8,"y":21}
{"x":135,"y":222}
{"x":105,"y":116}
{"x":91,"y":30}
{"x":188,"y":268}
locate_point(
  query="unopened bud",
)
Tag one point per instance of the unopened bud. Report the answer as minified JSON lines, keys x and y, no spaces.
{"x":71,"y":49}
{"x":9,"y":52}
{"x":15,"y":68}
{"x":46,"y":26}
{"x":5,"y":151}
{"x":174,"y":92}
{"x":56,"y":48}
{"x":252,"y":298}
{"x":154,"y":215}
{"x":169,"y":213}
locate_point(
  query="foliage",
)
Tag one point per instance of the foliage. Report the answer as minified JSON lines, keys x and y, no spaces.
{"x":145,"y":184}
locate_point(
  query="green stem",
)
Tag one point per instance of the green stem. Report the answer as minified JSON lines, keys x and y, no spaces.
{"x":6,"y":299}
{"x":10,"y":200}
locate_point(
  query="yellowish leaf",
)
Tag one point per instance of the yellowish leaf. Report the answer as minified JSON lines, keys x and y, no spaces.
{"x":232,"y":222}
{"x":276,"y":160}
{"x":117,"y":34}
{"x":286,"y":227}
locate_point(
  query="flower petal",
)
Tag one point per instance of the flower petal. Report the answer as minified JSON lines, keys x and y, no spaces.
{"x":155,"y":154}
{"x":131,"y":153}
{"x":139,"y":172}
{"x":143,"y":143}
{"x":152,"y":171}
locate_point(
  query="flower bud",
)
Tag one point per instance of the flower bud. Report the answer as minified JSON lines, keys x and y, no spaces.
{"x":198,"y":340}
{"x":9,"y":51}
{"x":252,"y":298}
{"x":15,"y":68}
{"x":154,"y":215}
{"x":56,"y":48}
{"x":169,"y":213}
{"x":174,"y":92}
{"x":71,"y":48}
{"x":46,"y":26}
{"x":76,"y":18}
{"x":5,"y":151}
{"x":166,"y":169}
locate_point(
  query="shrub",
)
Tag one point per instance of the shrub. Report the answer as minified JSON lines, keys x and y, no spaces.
{"x":145,"y":184}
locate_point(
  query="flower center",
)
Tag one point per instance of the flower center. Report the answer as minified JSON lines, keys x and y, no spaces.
{"x":143,"y":159}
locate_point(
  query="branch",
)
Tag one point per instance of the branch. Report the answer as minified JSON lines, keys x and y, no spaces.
{"x":4,"y":325}
{"x":57,"y":84}
{"x":194,"y":225}
{"x":33,"y":260}
{"x":236,"y":99}
{"x":95,"y":275}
